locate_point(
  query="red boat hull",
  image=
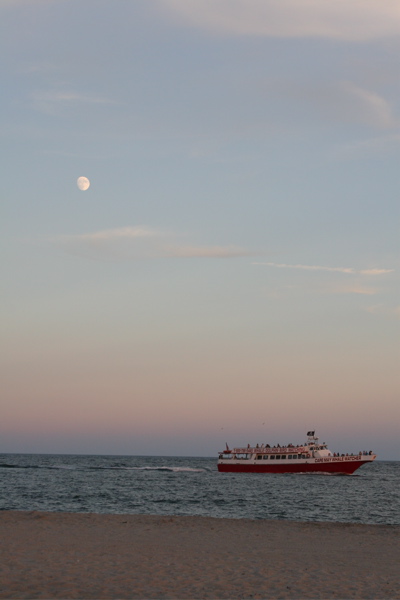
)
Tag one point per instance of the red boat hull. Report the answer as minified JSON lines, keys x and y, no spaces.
{"x":340,"y":467}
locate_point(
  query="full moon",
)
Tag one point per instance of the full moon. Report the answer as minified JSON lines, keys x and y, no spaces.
{"x":83,"y":183}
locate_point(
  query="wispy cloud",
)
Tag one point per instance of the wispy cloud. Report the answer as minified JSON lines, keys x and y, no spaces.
{"x":371,"y":107}
{"x":51,"y":101}
{"x":346,"y":270}
{"x":356,"y":20}
{"x":354,"y":289}
{"x":342,"y":102}
{"x":107,"y":235}
{"x":375,"y":271}
{"x":382,"y":309}
{"x":39,"y":67}
{"x":139,"y":242}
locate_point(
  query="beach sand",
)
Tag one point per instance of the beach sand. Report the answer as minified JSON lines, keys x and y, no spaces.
{"x":67,"y":555}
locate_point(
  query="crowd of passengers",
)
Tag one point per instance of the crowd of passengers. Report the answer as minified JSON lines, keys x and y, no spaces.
{"x":277,"y":446}
{"x":362,"y":452}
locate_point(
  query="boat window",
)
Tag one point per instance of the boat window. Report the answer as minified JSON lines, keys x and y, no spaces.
{"x":277,"y":456}
{"x":283,"y":456}
{"x":265,"y":457}
{"x":294,"y":456}
{"x":290,"y":456}
{"x":259,"y":456}
{"x":272,"y":457}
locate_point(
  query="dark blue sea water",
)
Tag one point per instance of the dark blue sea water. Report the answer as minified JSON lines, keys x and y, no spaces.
{"x":193,"y":486}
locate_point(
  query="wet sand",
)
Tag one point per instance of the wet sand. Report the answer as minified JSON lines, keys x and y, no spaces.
{"x":66,"y":555}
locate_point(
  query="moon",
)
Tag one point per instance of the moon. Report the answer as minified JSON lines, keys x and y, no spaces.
{"x":83,"y":183}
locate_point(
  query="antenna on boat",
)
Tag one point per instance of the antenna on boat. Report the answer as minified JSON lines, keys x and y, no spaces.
{"x":311,"y":437}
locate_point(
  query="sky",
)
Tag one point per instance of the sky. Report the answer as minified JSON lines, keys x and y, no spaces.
{"x":232,"y":273}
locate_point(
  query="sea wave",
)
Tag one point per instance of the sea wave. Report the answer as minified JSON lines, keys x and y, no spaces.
{"x":193,"y":486}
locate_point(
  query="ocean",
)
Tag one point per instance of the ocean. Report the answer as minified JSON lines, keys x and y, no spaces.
{"x":193,"y":486}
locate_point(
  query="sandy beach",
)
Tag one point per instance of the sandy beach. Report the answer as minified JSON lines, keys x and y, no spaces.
{"x":66,"y":555}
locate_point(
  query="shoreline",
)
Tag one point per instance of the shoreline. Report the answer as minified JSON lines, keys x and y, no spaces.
{"x":104,"y":556}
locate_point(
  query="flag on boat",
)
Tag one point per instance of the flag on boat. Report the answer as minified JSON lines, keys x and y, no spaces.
{"x":310,"y":432}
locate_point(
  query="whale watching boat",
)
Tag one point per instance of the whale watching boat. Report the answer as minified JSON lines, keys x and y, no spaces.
{"x":310,"y":457}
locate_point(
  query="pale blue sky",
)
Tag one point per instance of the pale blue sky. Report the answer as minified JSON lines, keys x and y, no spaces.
{"x":236,"y":258}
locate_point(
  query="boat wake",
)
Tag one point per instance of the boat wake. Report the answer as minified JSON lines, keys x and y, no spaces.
{"x":168,"y":469}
